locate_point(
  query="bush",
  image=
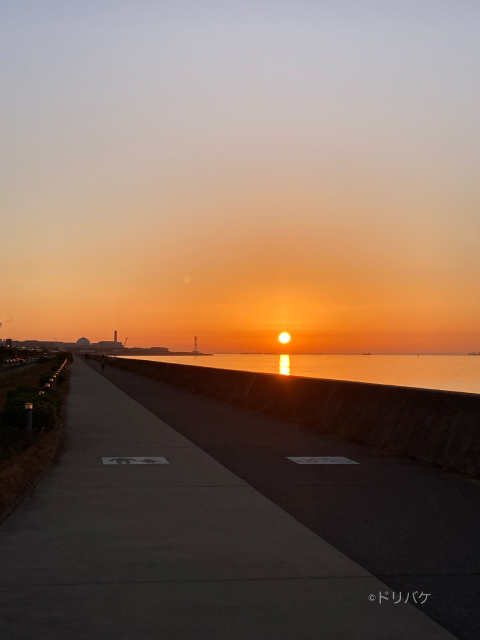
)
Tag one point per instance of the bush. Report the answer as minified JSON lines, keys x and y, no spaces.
{"x":46,"y":415}
{"x":45,"y":378}
{"x":59,"y":360}
{"x":46,"y":408}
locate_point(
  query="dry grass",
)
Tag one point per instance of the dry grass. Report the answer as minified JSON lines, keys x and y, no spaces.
{"x":22,"y":472}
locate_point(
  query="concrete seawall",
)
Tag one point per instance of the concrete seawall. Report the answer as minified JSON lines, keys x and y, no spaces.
{"x":438,"y":427}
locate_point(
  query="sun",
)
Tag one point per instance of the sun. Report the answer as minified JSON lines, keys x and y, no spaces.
{"x":284,"y":337}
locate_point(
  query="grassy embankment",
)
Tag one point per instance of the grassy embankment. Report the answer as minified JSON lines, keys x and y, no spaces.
{"x":25,"y":456}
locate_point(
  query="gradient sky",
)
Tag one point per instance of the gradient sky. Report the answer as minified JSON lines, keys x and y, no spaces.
{"x":235,"y":169}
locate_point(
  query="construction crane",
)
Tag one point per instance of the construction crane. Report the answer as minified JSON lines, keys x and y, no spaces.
{"x":125,"y":342}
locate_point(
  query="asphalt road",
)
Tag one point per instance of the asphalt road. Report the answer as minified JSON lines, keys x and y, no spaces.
{"x":414,"y":527}
{"x":7,"y":371}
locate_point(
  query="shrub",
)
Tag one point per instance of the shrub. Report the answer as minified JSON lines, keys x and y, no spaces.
{"x":46,"y":416}
{"x":46,"y":408}
{"x":59,"y":360}
{"x":46,"y":377}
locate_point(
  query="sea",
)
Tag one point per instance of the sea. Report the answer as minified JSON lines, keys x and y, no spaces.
{"x":451,"y":373}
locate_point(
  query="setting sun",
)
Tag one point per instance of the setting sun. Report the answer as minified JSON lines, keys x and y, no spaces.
{"x":284,"y":337}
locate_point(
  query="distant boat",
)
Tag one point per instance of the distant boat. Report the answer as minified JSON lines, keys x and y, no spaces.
{"x":367,"y":354}
{"x":474,"y":354}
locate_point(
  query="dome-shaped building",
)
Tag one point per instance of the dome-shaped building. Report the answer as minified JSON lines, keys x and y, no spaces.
{"x":83,"y":342}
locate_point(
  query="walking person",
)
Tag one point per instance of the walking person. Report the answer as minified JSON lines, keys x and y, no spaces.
{"x":103,"y":361}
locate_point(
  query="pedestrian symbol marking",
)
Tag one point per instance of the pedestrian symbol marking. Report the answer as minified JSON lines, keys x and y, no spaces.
{"x":135,"y":460}
{"x":323,"y":460}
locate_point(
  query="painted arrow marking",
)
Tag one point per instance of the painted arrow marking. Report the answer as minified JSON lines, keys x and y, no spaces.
{"x":323,"y":460}
{"x":135,"y":460}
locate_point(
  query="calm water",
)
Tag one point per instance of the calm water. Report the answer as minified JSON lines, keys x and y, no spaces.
{"x":453,"y":373}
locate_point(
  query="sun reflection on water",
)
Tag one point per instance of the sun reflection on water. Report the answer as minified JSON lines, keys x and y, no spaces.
{"x":284,"y":365}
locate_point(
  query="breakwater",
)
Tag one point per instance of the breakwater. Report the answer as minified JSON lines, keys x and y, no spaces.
{"x":437,"y":427}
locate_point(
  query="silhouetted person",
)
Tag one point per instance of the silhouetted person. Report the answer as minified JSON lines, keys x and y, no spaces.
{"x":103,"y":361}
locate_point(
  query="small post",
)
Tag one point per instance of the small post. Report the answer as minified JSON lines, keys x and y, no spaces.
{"x":28,"y":417}
{"x":52,"y":382}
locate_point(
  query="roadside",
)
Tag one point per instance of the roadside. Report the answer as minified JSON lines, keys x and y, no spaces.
{"x":25,"y":457}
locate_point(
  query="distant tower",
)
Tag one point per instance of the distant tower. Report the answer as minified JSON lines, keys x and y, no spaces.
{"x":195,"y":349}
{"x":115,"y":338}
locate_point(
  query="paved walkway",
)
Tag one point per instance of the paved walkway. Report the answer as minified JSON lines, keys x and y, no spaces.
{"x":184,"y":550}
{"x":413,"y":526}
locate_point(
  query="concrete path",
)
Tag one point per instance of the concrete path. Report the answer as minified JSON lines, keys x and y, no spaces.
{"x":413,"y":526}
{"x":184,"y":550}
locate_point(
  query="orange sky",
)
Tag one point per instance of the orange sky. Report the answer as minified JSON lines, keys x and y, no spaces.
{"x":303,"y":171}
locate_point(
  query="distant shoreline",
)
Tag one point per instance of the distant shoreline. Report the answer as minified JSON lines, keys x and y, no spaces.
{"x":281,"y":353}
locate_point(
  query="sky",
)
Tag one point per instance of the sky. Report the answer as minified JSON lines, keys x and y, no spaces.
{"x":232,"y":170}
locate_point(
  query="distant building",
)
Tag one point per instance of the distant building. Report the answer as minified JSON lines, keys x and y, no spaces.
{"x":39,"y":345}
{"x":33,"y":344}
{"x":83,"y":345}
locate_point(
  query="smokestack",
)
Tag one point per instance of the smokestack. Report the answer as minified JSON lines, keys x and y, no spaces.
{"x":115,"y":334}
